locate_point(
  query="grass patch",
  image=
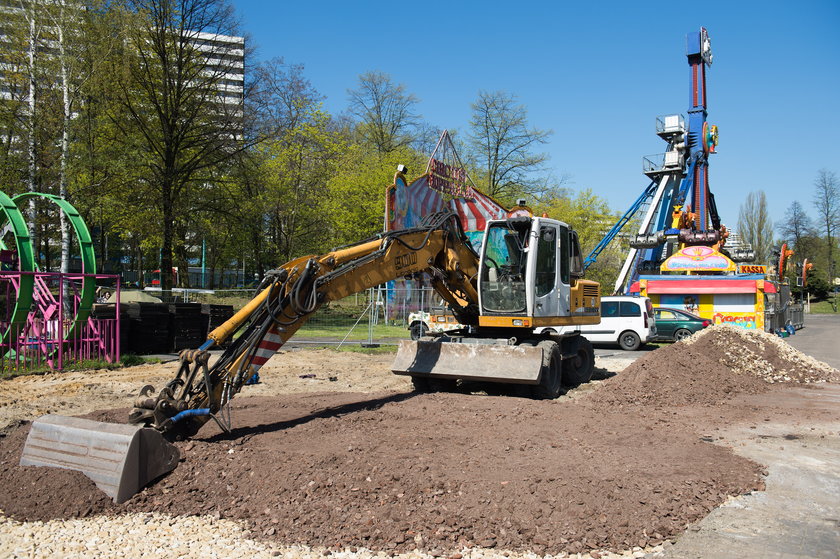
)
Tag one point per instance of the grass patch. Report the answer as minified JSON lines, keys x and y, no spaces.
{"x":360,"y":332}
{"x":823,"y":307}
{"x":130,"y":360}
{"x":354,"y":348}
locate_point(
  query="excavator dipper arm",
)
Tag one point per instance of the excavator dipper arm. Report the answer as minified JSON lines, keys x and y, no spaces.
{"x":288,"y":296}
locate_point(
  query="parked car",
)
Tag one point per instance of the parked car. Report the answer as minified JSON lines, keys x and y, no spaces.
{"x":440,"y":319}
{"x":625,"y":320}
{"x":675,"y":325}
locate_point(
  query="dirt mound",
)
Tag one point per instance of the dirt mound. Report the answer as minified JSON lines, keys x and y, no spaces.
{"x":621,"y":466}
{"x":711,"y":367}
{"x":396,"y":471}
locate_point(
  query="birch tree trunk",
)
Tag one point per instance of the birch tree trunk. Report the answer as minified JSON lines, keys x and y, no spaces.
{"x":30,"y":125}
{"x":65,"y":143}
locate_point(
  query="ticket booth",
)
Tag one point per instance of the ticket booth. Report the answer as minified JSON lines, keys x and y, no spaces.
{"x":738,"y":300}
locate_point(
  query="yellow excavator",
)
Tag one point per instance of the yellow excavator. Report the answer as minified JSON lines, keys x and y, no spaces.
{"x":526,"y":274}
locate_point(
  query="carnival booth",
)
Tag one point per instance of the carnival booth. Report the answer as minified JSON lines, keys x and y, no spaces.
{"x":697,"y":287}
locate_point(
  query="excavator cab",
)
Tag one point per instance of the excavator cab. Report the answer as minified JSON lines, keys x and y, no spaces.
{"x":529,"y":276}
{"x":530,"y":268}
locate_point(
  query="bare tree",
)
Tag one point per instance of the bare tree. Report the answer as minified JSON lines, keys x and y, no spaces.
{"x":827,"y":203}
{"x":281,"y":96}
{"x":175,"y":103}
{"x":503,"y":144}
{"x":796,"y":224}
{"x":385,"y":111}
{"x":755,"y":226}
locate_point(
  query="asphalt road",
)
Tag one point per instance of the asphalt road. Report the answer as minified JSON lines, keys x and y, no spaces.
{"x":820,"y":338}
{"x":798,"y":514}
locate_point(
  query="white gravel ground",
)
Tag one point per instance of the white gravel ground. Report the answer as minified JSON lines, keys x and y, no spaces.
{"x":199,"y":537}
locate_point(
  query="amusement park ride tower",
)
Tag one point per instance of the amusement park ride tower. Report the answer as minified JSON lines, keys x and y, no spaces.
{"x":680,"y":256}
{"x":681,"y":209}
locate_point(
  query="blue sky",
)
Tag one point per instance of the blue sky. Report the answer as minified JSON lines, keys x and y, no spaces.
{"x":597,"y":75}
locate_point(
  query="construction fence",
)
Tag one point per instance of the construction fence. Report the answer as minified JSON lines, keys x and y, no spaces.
{"x":376,"y":316}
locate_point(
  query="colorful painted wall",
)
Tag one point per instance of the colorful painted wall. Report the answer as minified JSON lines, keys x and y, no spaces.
{"x":738,"y":300}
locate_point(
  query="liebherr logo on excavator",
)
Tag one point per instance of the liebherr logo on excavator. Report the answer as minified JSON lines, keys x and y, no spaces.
{"x":405,"y":260}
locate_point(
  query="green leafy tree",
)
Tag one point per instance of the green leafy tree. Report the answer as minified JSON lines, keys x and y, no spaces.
{"x":817,"y":287}
{"x":172,"y":108}
{"x":286,"y":178}
{"x":297,"y":170}
{"x":103,"y":174}
{"x":356,"y":205}
{"x":591,"y":217}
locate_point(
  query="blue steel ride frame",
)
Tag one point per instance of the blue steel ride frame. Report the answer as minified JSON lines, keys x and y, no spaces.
{"x":699,"y":55}
{"x":694,"y":187}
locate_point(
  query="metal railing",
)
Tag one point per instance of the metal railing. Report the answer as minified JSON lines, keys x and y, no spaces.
{"x":26,"y":350}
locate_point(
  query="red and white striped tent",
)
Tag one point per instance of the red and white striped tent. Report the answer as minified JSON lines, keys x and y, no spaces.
{"x":408,"y":204}
{"x":476,"y":211}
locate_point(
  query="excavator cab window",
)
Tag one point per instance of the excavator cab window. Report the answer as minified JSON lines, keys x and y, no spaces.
{"x":546,"y":261}
{"x":503,"y":270}
{"x":576,"y":259}
{"x":565,"y":238}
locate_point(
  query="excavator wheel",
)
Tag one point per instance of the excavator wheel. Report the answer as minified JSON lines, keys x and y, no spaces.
{"x":426,"y":384}
{"x":551,"y":378}
{"x":421,"y":384}
{"x":579,"y":368}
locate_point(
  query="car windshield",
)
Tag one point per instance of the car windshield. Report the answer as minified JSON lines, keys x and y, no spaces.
{"x":678,"y":315}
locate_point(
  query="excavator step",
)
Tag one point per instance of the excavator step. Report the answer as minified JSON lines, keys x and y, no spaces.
{"x":120,"y":459}
{"x":469,"y":361}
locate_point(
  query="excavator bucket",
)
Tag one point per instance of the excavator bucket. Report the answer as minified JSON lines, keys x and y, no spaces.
{"x":120,"y":459}
{"x":469,"y":361}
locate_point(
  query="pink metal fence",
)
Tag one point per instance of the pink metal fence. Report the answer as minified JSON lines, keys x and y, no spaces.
{"x":56,"y":334}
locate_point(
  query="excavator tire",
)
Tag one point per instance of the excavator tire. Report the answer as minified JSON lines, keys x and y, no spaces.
{"x":578,"y":369}
{"x":421,"y":384}
{"x":426,"y":384}
{"x":551,"y":378}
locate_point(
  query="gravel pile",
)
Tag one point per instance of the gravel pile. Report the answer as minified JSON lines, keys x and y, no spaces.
{"x":711,"y":367}
{"x":131,"y":535}
{"x":762,"y":354}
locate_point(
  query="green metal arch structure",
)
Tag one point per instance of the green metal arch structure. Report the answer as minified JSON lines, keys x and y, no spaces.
{"x":26,"y":260}
{"x":86,"y":250}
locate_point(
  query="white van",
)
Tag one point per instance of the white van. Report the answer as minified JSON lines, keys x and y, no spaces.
{"x":626,"y":321}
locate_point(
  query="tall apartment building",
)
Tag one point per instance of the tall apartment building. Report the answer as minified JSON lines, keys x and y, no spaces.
{"x":225,"y":53}
{"x":226,"y":57}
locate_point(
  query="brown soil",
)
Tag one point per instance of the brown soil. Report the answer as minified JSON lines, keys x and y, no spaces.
{"x":629,"y":463}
